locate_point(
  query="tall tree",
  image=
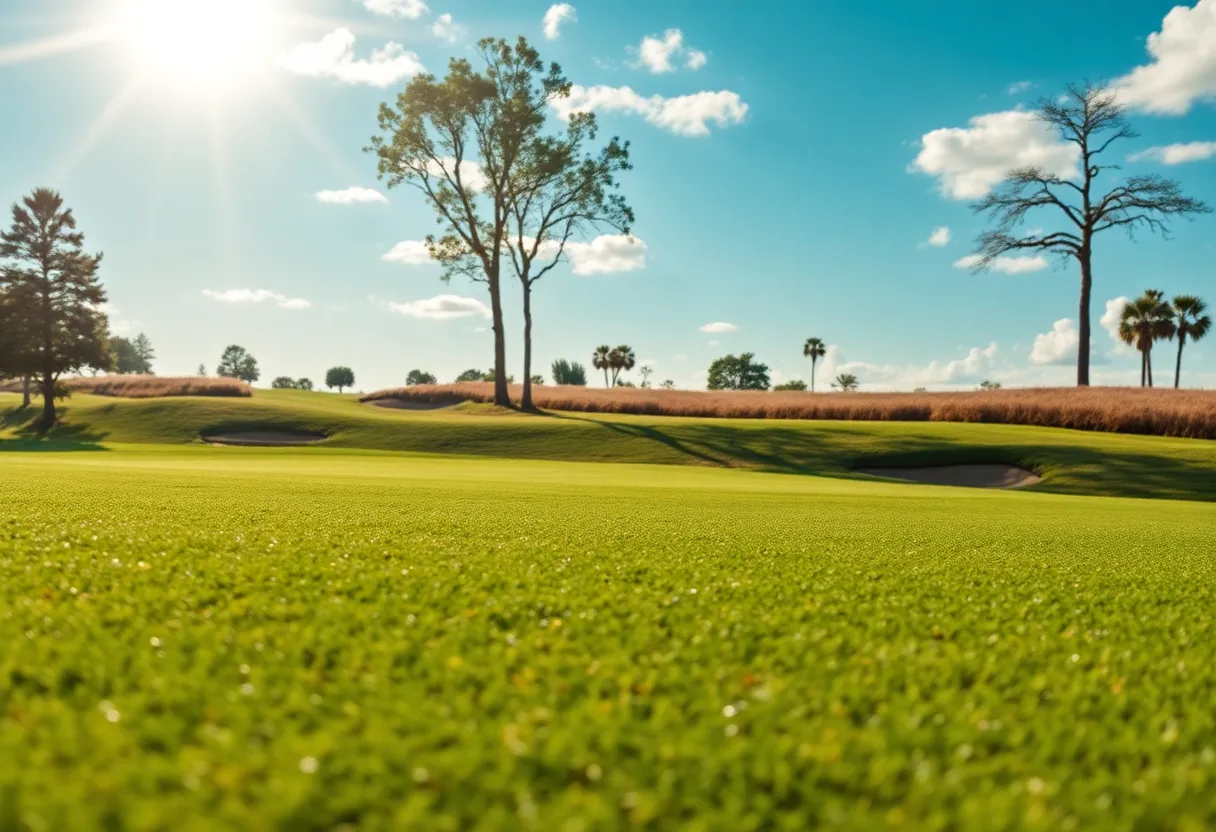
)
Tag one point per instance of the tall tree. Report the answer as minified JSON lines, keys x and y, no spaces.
{"x":51,"y":289}
{"x":1189,"y":322}
{"x":621,"y":360}
{"x":131,"y":356}
{"x":340,"y":377}
{"x":740,"y":372}
{"x":1143,"y":321}
{"x":1091,"y":118}
{"x":814,"y":349}
{"x":236,"y":362}
{"x":601,"y":359}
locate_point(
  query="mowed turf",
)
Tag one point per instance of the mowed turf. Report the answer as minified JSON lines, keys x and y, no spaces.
{"x":201,"y":638}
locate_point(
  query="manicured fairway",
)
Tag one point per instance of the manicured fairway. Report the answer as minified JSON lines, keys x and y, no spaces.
{"x":201,"y":638}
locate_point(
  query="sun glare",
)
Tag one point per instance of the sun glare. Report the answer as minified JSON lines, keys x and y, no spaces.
{"x":211,"y":43}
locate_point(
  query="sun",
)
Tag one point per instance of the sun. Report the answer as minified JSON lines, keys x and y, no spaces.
{"x":204,"y":43}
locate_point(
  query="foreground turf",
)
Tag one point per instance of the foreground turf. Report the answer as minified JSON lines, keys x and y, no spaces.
{"x":202,"y":638}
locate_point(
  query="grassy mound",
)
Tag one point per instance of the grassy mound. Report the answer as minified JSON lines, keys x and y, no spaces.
{"x":304,"y":639}
{"x":1069,"y":461}
{"x":1155,"y":412}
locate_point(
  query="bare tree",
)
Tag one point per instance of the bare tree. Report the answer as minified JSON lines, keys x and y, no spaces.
{"x":1091,"y":118}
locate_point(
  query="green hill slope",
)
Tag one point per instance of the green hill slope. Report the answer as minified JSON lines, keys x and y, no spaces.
{"x":1070,"y":461}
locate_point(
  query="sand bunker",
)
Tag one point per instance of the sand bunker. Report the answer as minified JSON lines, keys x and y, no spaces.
{"x":970,"y":476}
{"x":403,"y":404}
{"x":263,"y":438}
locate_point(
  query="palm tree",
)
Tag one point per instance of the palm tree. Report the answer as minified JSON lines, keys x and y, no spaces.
{"x":621,"y":359}
{"x":1144,"y":320}
{"x":1189,"y":322}
{"x":601,"y":359}
{"x":814,"y":349}
{"x":847,"y":382}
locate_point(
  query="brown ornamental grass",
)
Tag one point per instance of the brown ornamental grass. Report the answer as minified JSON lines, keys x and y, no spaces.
{"x":1153,"y":411}
{"x":146,"y":387}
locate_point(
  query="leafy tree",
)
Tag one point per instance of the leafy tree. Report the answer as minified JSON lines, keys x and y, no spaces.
{"x":623,"y":383}
{"x":990,"y":385}
{"x":1091,"y":118}
{"x":52,"y":297}
{"x":646,"y":372}
{"x":846,"y":382}
{"x":621,"y":360}
{"x":814,"y":349}
{"x":304,"y":384}
{"x":236,"y":362}
{"x":569,"y":372}
{"x":415,"y":377}
{"x":538,"y":379}
{"x":131,"y":356}
{"x":340,"y":377}
{"x":668,"y":384}
{"x":283,"y":383}
{"x":1189,"y":322}
{"x":1145,"y":320}
{"x":738,"y":373}
{"x":489,"y":375}
{"x":470,"y":375}
{"x":793,"y":384}
{"x":601,"y":359}
{"x":202,"y":370}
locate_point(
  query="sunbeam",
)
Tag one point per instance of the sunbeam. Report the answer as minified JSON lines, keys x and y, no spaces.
{"x":56,"y":45}
{"x":100,"y":125}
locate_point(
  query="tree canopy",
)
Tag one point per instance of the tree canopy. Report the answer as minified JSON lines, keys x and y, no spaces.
{"x":340,"y":377}
{"x":131,"y":356}
{"x":236,"y":362}
{"x":416,"y":377}
{"x":741,"y":372}
{"x":569,"y":372}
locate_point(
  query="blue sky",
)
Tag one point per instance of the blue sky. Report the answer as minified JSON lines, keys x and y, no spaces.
{"x":788,"y":179}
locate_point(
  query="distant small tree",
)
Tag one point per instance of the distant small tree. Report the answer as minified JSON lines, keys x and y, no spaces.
{"x":919,"y":390}
{"x":569,"y":372}
{"x":794,"y":384}
{"x":668,"y":384}
{"x":846,"y":382}
{"x":283,"y":383}
{"x":144,"y":353}
{"x":624,"y":383}
{"x":202,"y":370}
{"x":131,"y":356}
{"x":646,"y":372}
{"x":236,"y":362}
{"x":488,"y":375}
{"x":814,"y":349}
{"x":601,"y":359}
{"x":621,"y":360}
{"x":415,"y":377}
{"x":739,"y":372}
{"x":51,"y":298}
{"x":1189,"y":322}
{"x":340,"y":377}
{"x":990,"y":385}
{"x":303,"y":384}
{"x":470,"y":375}
{"x":1145,"y":320}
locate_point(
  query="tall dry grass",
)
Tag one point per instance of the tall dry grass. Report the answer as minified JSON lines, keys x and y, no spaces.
{"x":146,"y":387}
{"x":1156,"y":411}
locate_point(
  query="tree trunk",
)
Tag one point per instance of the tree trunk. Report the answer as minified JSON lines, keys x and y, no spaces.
{"x":526,"y":402}
{"x":1148,"y":365}
{"x":1178,"y":364}
{"x":48,"y":401}
{"x":502,"y":397}
{"x":25,"y":392}
{"x":812,"y":375}
{"x":1087,"y":282}
{"x":1143,"y":366}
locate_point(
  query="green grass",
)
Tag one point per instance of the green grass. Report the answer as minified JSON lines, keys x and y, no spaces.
{"x":1073,"y":462}
{"x":372,"y":634}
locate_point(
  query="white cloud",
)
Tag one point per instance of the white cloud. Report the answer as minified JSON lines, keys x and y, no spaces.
{"x":1006,"y":265}
{"x":719,"y":326}
{"x":1057,"y":347}
{"x":969,"y":161}
{"x":1109,"y":321}
{"x":684,"y":115}
{"x":977,"y":365}
{"x":334,"y":57}
{"x":658,"y":54}
{"x":406,"y":9}
{"x":351,"y":196}
{"x":256,"y":296}
{"x":606,"y":254}
{"x":1183,"y":66}
{"x":447,"y":30}
{"x":118,"y":326}
{"x":1176,"y":154}
{"x":558,"y":14}
{"x":939,"y":237}
{"x":409,"y":252}
{"x":471,"y":175}
{"x":442,"y":308}
{"x":1019,"y":87}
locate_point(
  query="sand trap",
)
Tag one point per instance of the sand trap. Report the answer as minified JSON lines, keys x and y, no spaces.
{"x":403,"y":404}
{"x":263,"y":438}
{"x":970,"y":476}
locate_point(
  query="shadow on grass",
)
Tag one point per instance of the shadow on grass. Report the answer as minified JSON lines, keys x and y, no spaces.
{"x":29,"y":435}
